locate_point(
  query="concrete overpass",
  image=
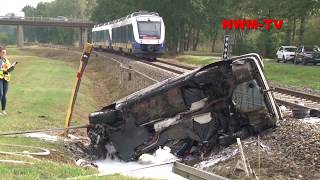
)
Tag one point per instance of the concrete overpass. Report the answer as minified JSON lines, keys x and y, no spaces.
{"x":82,"y":24}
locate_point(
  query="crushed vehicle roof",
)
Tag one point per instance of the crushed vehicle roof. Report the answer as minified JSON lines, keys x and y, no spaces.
{"x":206,"y":108}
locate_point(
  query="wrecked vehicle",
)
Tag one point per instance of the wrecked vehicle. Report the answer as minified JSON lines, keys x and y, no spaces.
{"x":209,"y":106}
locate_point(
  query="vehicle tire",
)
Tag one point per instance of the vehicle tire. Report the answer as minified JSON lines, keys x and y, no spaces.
{"x":103,"y":117}
{"x":304,"y":61}
{"x":295,"y":60}
{"x":284,"y":59}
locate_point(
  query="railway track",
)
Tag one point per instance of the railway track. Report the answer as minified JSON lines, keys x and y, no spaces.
{"x":298,"y":100}
{"x":174,"y":68}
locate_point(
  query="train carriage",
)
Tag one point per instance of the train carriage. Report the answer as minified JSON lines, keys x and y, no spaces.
{"x":140,"y":33}
{"x":101,"y":37}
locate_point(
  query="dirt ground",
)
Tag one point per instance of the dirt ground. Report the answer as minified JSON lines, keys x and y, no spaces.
{"x":290,"y":151}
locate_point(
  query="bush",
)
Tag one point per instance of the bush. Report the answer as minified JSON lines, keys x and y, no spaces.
{"x":7,"y":39}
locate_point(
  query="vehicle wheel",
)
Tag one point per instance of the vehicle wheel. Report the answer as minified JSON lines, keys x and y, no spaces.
{"x":103,"y":117}
{"x":277,"y":59}
{"x":284,"y":59}
{"x":295,"y":60}
{"x":304,"y":61}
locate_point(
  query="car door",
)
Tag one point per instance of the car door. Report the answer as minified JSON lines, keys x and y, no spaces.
{"x":280,"y":53}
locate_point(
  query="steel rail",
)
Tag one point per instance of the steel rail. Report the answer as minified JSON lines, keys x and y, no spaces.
{"x":297,"y":94}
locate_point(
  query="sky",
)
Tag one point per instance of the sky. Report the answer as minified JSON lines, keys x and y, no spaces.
{"x":14,"y":6}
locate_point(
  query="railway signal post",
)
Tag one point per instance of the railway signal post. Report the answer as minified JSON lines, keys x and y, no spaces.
{"x":226,"y":47}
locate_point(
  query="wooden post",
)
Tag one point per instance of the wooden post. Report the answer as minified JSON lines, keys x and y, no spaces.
{"x":83,"y":63}
{"x":243,"y":158}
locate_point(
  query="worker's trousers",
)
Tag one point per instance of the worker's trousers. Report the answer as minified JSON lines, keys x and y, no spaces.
{"x":3,"y":93}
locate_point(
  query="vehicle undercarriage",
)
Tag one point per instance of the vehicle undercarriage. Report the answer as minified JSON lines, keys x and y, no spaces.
{"x":208,"y":107}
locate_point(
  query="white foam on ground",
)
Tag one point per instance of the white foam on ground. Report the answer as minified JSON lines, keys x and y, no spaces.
{"x":143,"y":167}
{"x":311,"y":120}
{"x":43,"y":136}
{"x":224,"y":155}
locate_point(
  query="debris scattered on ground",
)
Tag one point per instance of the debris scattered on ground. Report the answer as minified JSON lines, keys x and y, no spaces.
{"x":311,"y":120}
{"x":214,"y":158}
{"x":85,"y":163}
{"x":81,"y":150}
{"x":291,"y":150}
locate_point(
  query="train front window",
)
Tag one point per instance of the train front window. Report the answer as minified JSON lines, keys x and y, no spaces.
{"x":149,"y":29}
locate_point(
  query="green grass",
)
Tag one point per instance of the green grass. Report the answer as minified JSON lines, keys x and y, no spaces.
{"x":293,"y":75}
{"x":57,"y":165}
{"x":39,"y":93}
{"x":277,"y":73}
{"x":38,"y":97}
{"x":198,"y":60}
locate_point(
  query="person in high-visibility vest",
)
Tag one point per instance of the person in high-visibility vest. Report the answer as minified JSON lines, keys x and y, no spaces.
{"x":5,"y":68}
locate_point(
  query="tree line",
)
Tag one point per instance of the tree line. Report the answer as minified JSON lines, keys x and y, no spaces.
{"x":193,"y":24}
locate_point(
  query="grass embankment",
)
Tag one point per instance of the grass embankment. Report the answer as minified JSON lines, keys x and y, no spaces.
{"x":293,"y":75}
{"x":38,"y":97}
{"x":198,"y":60}
{"x":40,"y":90}
{"x":57,"y":165}
{"x":277,"y":73}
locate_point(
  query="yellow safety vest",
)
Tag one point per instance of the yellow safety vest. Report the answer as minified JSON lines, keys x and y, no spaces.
{"x":5,"y":66}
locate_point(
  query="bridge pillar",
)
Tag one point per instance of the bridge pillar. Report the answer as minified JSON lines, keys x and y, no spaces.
{"x":83,"y":36}
{"x":20,"y":38}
